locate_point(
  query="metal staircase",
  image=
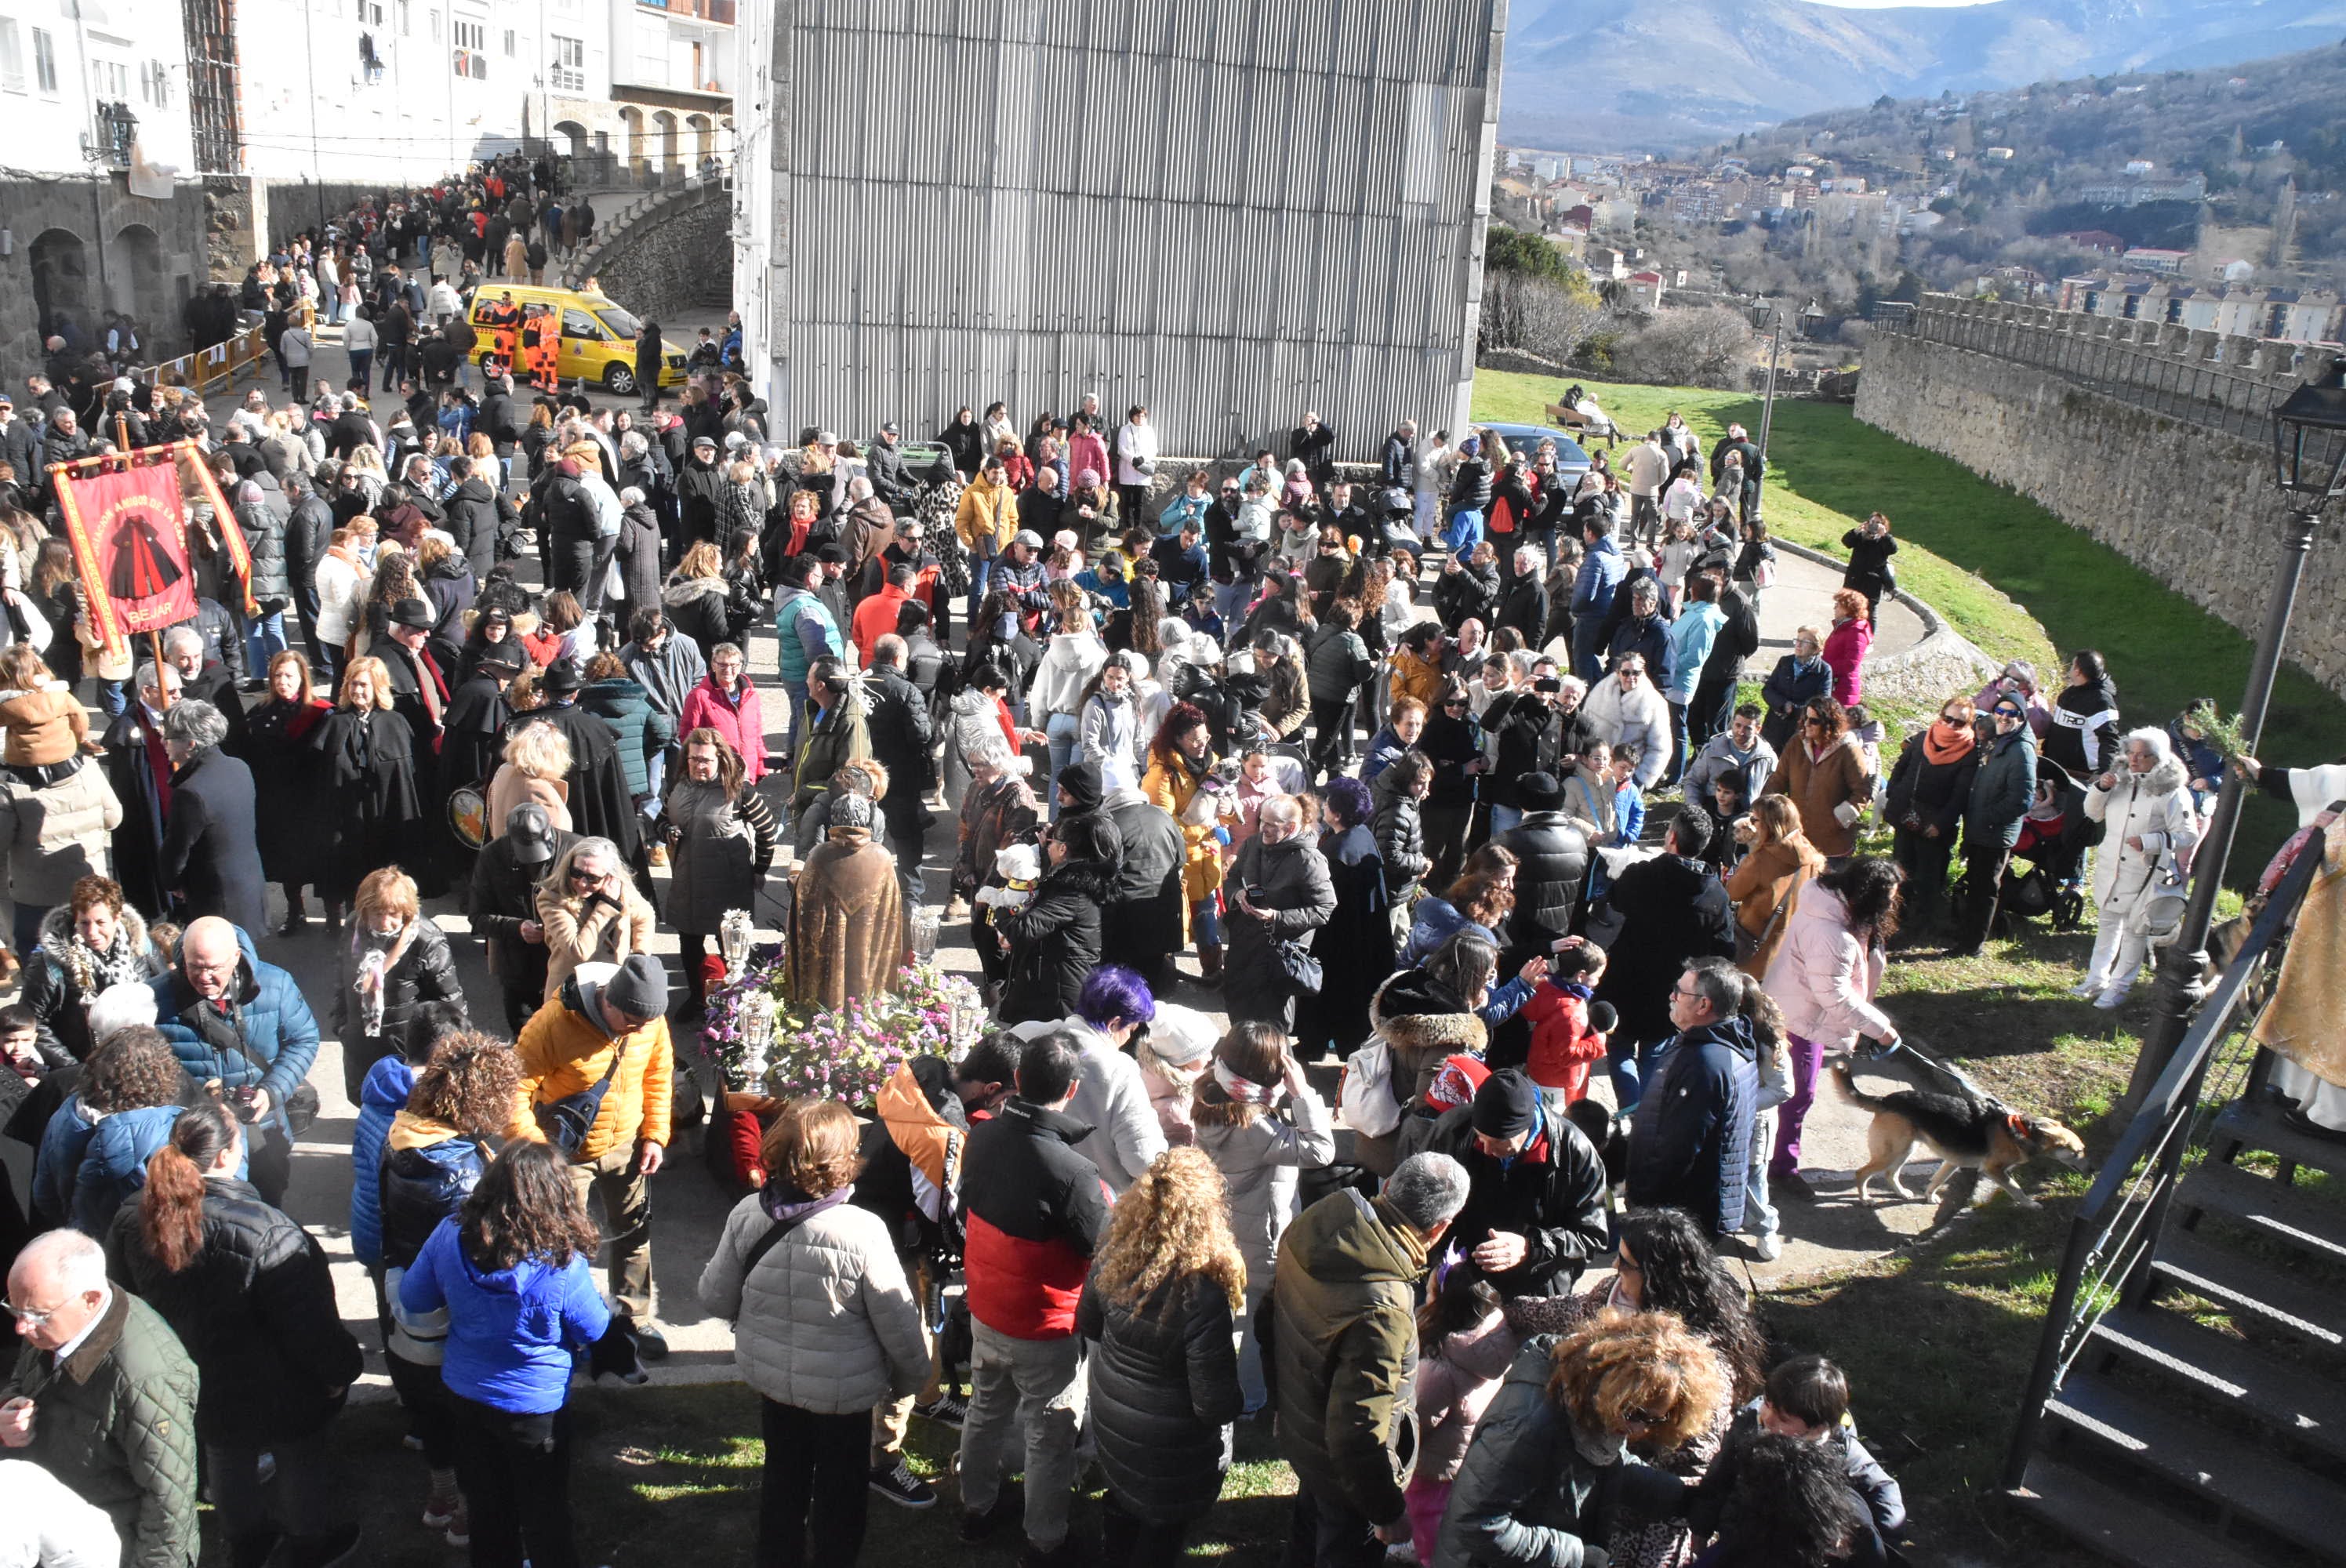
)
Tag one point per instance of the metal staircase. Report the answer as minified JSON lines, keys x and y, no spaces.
{"x":2189,"y":1401}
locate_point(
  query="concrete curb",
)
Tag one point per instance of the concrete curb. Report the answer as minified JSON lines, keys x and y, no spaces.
{"x":1945,"y":661}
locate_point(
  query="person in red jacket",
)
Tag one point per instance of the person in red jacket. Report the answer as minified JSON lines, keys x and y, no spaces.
{"x":1568,"y":1030}
{"x":1035,"y":1209}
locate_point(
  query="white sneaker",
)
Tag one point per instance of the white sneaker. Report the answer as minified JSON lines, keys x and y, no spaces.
{"x":2088,"y":988}
{"x":1770,"y":1247}
{"x":2111,"y":1000}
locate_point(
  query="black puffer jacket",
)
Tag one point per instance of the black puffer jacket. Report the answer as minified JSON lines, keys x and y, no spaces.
{"x":1467,"y":594}
{"x":1534,"y":736}
{"x":426,"y":971}
{"x":1055,"y":940}
{"x":1401,"y":834}
{"x":1336,"y":662}
{"x":1164,"y":1389}
{"x":427,"y":1171}
{"x":256,"y":1312}
{"x":1552,"y":869}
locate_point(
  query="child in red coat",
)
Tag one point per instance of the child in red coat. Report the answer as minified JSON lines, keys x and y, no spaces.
{"x":1565,"y":1038}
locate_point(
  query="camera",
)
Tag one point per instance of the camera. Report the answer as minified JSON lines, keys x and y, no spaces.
{"x":1547,"y":684}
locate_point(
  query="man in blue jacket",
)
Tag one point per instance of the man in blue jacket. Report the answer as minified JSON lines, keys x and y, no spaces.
{"x":231,"y":1018}
{"x":1691,"y":1142}
{"x":1602,"y":568}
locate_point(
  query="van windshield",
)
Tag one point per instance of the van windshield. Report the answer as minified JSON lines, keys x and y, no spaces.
{"x":618,"y":320}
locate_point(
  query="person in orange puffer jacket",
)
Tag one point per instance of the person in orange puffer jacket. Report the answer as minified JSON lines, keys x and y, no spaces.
{"x":1568,"y":1029}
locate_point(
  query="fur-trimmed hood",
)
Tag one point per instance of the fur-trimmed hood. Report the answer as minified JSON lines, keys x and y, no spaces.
{"x":1415,"y":1012}
{"x":2165,"y":779}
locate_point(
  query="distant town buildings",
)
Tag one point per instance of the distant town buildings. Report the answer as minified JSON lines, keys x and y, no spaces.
{"x":2235,"y":309}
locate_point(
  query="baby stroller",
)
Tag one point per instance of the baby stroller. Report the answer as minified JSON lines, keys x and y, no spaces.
{"x":2046,"y":873}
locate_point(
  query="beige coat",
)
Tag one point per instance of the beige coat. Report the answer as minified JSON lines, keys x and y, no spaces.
{"x":606,"y":934}
{"x":847,"y":922}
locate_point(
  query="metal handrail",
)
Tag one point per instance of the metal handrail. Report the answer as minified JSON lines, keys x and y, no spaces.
{"x":2115,"y":1230}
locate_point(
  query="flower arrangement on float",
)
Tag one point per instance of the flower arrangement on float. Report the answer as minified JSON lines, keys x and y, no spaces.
{"x":764,"y":1045}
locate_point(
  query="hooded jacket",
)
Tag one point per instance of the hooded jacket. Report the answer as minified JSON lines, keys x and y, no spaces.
{"x":1690,"y":1145}
{"x":1262,"y":1162}
{"x":381,"y":1097}
{"x":1037,"y":1209}
{"x":1552,"y":870}
{"x":511,"y":1331}
{"x":825,"y":1321}
{"x":427,"y":1168}
{"x":266,"y":1013}
{"x":1822,"y":786}
{"x":113,"y":1164}
{"x":1399,"y":832}
{"x":1532,"y":1490}
{"x":2153,"y":806}
{"x":565,"y":1049}
{"x":256,"y":1313}
{"x":1823,"y":976}
{"x":44,"y":725}
{"x":1291,"y":878}
{"x":1164,"y":1386}
{"x":2001,"y":794}
{"x":1552,"y":1194}
{"x":57,"y":834}
{"x":1055,"y":940}
{"x":1345,"y":1348}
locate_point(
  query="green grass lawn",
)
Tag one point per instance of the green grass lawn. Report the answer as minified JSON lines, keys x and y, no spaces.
{"x":1976,"y":551}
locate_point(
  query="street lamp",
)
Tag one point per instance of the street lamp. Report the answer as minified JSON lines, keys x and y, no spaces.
{"x":2309,"y":436}
{"x":1764,"y":312}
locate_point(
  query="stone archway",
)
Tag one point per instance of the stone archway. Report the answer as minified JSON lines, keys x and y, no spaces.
{"x":61,"y":285}
{"x":704,"y":138}
{"x":138,"y":280}
{"x":631,"y":126}
{"x":671,"y":153}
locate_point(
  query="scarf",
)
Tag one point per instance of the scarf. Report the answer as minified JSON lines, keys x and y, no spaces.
{"x":1246,"y":1091}
{"x":1944,"y":743}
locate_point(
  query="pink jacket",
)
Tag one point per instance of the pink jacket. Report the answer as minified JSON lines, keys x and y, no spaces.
{"x":742,"y":724}
{"x":1844,"y":655}
{"x":1454,"y":1385}
{"x":1820,"y":976}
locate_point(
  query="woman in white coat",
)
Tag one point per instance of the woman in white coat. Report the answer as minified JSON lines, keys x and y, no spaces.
{"x":824,"y":1328}
{"x":2149,"y":827}
{"x":1261,"y":1154}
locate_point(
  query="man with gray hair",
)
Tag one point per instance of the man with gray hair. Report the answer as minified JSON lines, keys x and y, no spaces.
{"x":139,"y":770}
{"x":210,"y":858}
{"x":1346,"y":1343}
{"x":103,"y":1398}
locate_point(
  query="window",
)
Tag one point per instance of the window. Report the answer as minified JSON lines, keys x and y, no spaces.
{"x":12,"y":56}
{"x":370,"y":13}
{"x":45,"y":62}
{"x":406,"y":21}
{"x":434,"y":18}
{"x":569,"y":73}
{"x":154,"y":84}
{"x":472,"y":42}
{"x":109,"y":80}
{"x":509,"y":43}
{"x":579,"y":325}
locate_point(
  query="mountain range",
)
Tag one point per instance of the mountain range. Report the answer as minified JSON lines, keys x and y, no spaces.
{"x":1688,"y":73}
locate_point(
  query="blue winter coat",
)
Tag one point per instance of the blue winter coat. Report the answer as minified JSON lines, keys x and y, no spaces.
{"x":64,"y":1141}
{"x":274,"y":1022}
{"x":113,"y":1164}
{"x":1601,"y":571}
{"x":1692,"y":1138}
{"x":510,"y":1330}
{"x":388,"y":1083}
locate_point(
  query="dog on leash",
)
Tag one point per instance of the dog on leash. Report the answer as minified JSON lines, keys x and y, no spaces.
{"x":1966,"y":1132}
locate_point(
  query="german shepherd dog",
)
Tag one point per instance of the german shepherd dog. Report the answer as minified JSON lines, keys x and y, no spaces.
{"x":1966,"y":1132}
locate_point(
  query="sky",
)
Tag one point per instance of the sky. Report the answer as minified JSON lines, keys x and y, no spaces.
{"x":1879,"y":5}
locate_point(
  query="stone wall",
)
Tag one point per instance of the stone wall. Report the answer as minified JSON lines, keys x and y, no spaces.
{"x":673,"y":260}
{"x":154,"y":256}
{"x":287,"y":207}
{"x":2193,"y":507}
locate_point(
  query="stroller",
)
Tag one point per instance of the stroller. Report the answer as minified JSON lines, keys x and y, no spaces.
{"x":2046,"y":873}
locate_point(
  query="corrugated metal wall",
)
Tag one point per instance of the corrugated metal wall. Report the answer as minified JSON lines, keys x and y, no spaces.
{"x":1231,"y":210}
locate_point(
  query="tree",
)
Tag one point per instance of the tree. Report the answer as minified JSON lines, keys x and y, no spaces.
{"x":1539,"y":316}
{"x":1507,"y":250}
{"x":1687,"y":348}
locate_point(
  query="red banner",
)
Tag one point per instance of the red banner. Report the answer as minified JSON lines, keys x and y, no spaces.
{"x":128,"y":529}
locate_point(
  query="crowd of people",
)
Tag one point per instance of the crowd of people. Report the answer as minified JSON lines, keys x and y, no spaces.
{"x":1443,"y":767}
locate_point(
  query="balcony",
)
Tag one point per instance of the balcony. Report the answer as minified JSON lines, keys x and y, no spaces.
{"x":718,"y":11}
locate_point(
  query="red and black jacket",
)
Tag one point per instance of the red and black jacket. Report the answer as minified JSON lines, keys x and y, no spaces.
{"x":1035,"y":1209}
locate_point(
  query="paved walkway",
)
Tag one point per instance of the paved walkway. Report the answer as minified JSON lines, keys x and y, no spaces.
{"x":689,"y":1208}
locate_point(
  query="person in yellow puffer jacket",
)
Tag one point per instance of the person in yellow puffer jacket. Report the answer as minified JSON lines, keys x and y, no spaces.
{"x":567,"y":1050}
{"x":986,"y":518}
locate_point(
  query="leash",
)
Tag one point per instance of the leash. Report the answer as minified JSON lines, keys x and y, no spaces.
{"x":1962,"y":1081}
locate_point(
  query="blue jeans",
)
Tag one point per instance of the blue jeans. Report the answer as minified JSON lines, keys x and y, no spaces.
{"x":1503,"y":818}
{"x":1064,"y":735}
{"x":362,"y":363}
{"x":1204,"y":922}
{"x":112,"y":697}
{"x":264,"y":639}
{"x":1230,"y":598}
{"x":981,"y":568}
{"x":1588,"y":657}
{"x":797,"y":691}
{"x":1632,"y":1065}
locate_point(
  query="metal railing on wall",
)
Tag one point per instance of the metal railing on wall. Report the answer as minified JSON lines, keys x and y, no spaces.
{"x":217,"y":367}
{"x":2179,"y":385}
